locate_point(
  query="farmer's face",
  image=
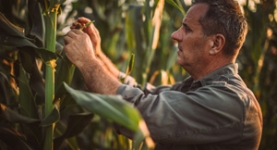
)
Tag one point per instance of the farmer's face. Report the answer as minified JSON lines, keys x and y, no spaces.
{"x":193,"y":46}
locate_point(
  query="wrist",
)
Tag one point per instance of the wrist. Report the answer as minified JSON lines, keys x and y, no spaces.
{"x":84,"y":64}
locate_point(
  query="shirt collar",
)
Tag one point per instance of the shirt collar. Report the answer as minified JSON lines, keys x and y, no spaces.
{"x":215,"y":75}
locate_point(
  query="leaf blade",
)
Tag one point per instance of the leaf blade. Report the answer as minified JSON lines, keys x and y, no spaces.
{"x":113,"y":108}
{"x":176,"y":5}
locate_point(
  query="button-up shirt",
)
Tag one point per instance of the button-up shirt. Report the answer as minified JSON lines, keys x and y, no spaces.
{"x":217,"y":112}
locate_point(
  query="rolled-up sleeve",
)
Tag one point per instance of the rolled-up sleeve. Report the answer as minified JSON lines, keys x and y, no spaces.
{"x":209,"y":114}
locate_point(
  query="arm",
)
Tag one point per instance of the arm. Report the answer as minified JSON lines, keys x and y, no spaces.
{"x":188,"y":118}
{"x":98,"y":79}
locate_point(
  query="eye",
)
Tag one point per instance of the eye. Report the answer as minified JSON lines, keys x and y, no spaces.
{"x":186,"y":27}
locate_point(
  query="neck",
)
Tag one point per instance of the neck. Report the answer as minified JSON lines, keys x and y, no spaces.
{"x":198,"y":72}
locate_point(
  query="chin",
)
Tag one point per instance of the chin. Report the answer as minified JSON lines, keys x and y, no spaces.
{"x":179,"y":62}
{"x":182,"y":63}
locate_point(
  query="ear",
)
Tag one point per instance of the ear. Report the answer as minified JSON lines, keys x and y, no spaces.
{"x":218,"y":44}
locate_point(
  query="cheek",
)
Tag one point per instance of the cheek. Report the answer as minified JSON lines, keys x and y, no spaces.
{"x":183,"y":57}
{"x":189,"y":43}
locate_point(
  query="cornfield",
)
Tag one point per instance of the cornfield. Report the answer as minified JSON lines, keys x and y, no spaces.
{"x":44,"y":103}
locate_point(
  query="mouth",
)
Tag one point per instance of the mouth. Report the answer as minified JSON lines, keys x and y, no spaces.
{"x":180,"y":49}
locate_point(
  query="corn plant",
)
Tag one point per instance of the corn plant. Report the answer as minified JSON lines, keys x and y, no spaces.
{"x":39,"y":110}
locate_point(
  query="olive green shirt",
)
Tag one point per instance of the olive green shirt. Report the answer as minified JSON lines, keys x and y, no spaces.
{"x":217,"y":112}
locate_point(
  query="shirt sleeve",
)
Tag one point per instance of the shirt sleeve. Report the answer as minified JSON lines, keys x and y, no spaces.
{"x":209,"y":114}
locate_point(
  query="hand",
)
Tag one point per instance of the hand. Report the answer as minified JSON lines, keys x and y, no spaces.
{"x":78,"y":47}
{"x":92,"y":31}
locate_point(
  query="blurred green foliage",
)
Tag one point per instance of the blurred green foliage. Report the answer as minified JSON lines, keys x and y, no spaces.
{"x":126,"y":27}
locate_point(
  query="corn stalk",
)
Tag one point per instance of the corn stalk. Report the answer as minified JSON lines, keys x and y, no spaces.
{"x":50,"y":42}
{"x":152,"y":30}
{"x":146,"y":35}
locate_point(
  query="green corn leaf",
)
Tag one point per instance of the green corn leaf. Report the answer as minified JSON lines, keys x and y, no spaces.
{"x":15,"y":117}
{"x":64,"y":71}
{"x":45,"y":55}
{"x":36,"y":83}
{"x":75,"y":125}
{"x":12,"y":138}
{"x":36,"y":26}
{"x":138,"y":139}
{"x":29,"y":126}
{"x":62,"y":97}
{"x":7,"y":27}
{"x":28,"y":61}
{"x":113,"y":108}
{"x":53,"y":117}
{"x":131,"y":65}
{"x":176,"y":5}
{"x":129,"y":28}
{"x":171,"y":59}
{"x":24,"y":42}
{"x":147,"y":23}
{"x":28,"y":106}
{"x":16,"y":41}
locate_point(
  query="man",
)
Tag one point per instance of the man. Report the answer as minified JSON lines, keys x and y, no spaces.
{"x":212,"y":109}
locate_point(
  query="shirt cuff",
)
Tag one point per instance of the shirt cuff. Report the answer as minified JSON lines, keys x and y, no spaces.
{"x":130,"y":93}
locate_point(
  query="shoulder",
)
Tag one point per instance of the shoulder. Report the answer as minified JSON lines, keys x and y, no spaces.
{"x":229,"y":85}
{"x":230,"y":91}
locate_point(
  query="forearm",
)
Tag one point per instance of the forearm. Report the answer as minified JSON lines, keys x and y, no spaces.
{"x":98,"y":79}
{"x":107,"y":63}
{"x":112,"y":69}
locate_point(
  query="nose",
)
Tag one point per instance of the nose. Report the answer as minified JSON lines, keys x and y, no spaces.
{"x":176,"y":35}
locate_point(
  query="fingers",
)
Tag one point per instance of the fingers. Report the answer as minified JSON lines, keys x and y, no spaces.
{"x":75,"y":34}
{"x":80,"y":22}
{"x":91,"y":30}
{"x":78,"y":25}
{"x":74,"y":25}
{"x":66,"y":39}
{"x":71,"y":35}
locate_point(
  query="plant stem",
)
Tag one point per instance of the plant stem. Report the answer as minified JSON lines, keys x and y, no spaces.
{"x":50,"y":42}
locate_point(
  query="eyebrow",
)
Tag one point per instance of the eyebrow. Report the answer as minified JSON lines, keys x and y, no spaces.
{"x":186,"y":25}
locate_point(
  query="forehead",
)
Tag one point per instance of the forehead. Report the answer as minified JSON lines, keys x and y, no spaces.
{"x":195,"y":12}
